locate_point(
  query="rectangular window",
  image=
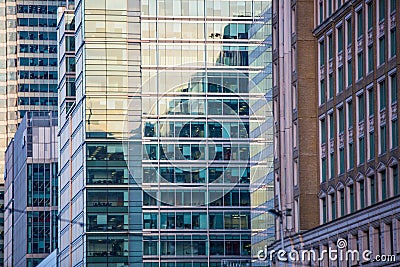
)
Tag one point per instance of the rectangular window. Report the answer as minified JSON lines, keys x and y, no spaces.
{"x":395,"y":134}
{"x":351,"y":156}
{"x":342,"y":206}
{"x":361,"y":108}
{"x":361,"y":150}
{"x":362,"y":202}
{"x":395,"y":172}
{"x":349,"y":72}
{"x":349,"y":32}
{"x":331,"y":126}
{"x":322,"y":91}
{"x":393,"y":88}
{"x":382,"y":50}
{"x":322,"y":53}
{"x":332,"y":166}
{"x":383,"y":139}
{"x":371,"y":145}
{"x":393,"y":5}
{"x":360,"y":23}
{"x":329,"y":7}
{"x":324,"y":218}
{"x":330,"y":47}
{"x":323,"y":170}
{"x":370,"y":58}
{"x":372,"y":189}
{"x":352,"y":202}
{"x":340,"y":39}
{"x":341,"y":158}
{"x":393,"y":49}
{"x":321,"y":11}
{"x":323,"y":131}
{"x":370,"y":11}
{"x":383,"y":182}
{"x":333,"y":206}
{"x":360,"y":66}
{"x":382,"y":9}
{"x":371,"y":108}
{"x":382,"y":95}
{"x":341,"y":120}
{"x":331,"y":88}
{"x":340,"y":79}
{"x":349,"y":114}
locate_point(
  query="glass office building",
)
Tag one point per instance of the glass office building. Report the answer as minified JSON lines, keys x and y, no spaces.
{"x":31,"y":191}
{"x":28,"y":62}
{"x":165,"y":139}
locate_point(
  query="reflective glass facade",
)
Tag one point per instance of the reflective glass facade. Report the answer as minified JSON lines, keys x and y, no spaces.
{"x":28,"y":62}
{"x":165,"y":137}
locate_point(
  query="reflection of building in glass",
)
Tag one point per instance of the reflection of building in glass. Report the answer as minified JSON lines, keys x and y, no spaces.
{"x":155,"y":150}
{"x":31,"y":191}
{"x":28,"y":62}
{"x":262,"y":171}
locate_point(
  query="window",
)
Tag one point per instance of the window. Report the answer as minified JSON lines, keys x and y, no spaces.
{"x":371,"y":102}
{"x":331,"y":126}
{"x":330,"y":47}
{"x":322,"y":91}
{"x":332,"y":166}
{"x":383,"y":139}
{"x":349,"y":114}
{"x":362,"y":194}
{"x":360,"y":66}
{"x":361,"y":150}
{"x":393,"y":88}
{"x":351,"y":155}
{"x":372,"y":189}
{"x":395,"y":134}
{"x":393,"y":49}
{"x":361,"y":108}
{"x":322,"y":53}
{"x":333,"y":206}
{"x":383,"y":184}
{"x":330,"y":7}
{"x":342,"y":203}
{"x":382,"y":95}
{"x":323,"y":170}
{"x":370,"y":54}
{"x":349,"y":31}
{"x":349,"y":72}
{"x":339,"y":39}
{"x":324,"y":217}
{"x":352,"y":203}
{"x":340,"y":79}
{"x":371,"y":145}
{"x":360,"y":23}
{"x":382,"y":50}
{"x":341,"y":120}
{"x":395,"y":173}
{"x":382,"y":9}
{"x":341,"y":160}
{"x":370,"y":11}
{"x":321,"y":11}
{"x":331,"y":88}
{"x":392,"y":6}
{"x":323,"y":131}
